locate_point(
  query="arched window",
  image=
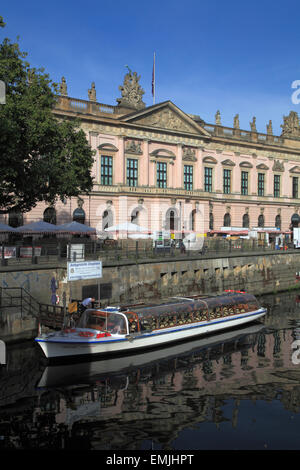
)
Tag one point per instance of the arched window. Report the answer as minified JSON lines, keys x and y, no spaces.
{"x":171,"y":220}
{"x":278,"y":221}
{"x":295,"y":219}
{"x":261,"y":220}
{"x":107,"y":219}
{"x":246,"y":221}
{"x":227,"y":220}
{"x":50,"y":215}
{"x":79,"y":215}
{"x":15,"y":218}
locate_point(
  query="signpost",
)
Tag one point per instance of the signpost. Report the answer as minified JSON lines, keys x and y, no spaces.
{"x":82,"y":270}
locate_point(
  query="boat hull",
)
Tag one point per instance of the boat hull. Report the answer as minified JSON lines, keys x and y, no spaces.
{"x":70,"y":345}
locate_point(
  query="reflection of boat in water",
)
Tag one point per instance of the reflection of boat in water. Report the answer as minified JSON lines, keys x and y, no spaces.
{"x":130,"y":329}
{"x":93,"y":371}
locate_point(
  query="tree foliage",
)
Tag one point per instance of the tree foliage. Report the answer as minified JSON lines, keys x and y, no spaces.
{"x":42,"y":158}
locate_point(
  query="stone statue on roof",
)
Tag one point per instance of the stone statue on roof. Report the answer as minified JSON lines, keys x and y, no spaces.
{"x":92,"y":93}
{"x":236,"y":122}
{"x":218,"y":118}
{"x":63,"y":87}
{"x":270,"y":128}
{"x":253,"y":124}
{"x":131,"y":91}
{"x":290,"y":126}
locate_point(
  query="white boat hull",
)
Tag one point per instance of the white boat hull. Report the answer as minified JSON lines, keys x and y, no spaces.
{"x":71,"y":345}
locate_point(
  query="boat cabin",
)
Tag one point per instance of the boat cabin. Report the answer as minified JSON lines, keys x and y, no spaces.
{"x":175,"y":312}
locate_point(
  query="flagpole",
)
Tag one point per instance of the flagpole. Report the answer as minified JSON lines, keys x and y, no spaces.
{"x":153,"y":79}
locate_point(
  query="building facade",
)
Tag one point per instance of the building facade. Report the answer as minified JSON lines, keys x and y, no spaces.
{"x":168,"y":170}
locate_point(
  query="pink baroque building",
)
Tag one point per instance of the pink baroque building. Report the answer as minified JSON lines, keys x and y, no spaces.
{"x":168,"y":170}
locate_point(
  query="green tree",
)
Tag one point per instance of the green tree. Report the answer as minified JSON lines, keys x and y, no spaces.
{"x":42,"y":158}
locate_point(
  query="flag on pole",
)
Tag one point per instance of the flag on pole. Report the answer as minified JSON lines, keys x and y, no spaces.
{"x":153,"y":79}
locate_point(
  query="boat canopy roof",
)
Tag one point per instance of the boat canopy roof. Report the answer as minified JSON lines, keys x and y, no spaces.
{"x":189,"y":305}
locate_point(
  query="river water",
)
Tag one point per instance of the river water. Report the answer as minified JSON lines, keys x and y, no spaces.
{"x":236,"y":390}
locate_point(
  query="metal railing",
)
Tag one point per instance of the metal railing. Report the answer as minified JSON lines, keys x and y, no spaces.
{"x":113,"y":250}
{"x":20,"y":300}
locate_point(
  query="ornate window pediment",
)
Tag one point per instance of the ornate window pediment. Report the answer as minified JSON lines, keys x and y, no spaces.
{"x":163,"y":153}
{"x":228,"y":162}
{"x":210,"y":160}
{"x":246,"y":165}
{"x":295,"y":169}
{"x":262,"y":166}
{"x":108,"y":147}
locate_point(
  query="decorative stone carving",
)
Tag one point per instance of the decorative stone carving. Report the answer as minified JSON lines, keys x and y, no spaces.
{"x":167,"y":119}
{"x":131,"y":91}
{"x":236,"y":122}
{"x":278,"y":166}
{"x":133,"y":147}
{"x":290,"y":126}
{"x":269,"y":128}
{"x":218,"y":118}
{"x":107,"y":147}
{"x":189,"y":154}
{"x":295,"y":169}
{"x":246,"y":165}
{"x":262,"y":166}
{"x":80,"y":202}
{"x":163,"y":153}
{"x":228,"y":162}
{"x":253,"y":124}
{"x":63,"y":87}
{"x":210,"y":160}
{"x":92,"y":93}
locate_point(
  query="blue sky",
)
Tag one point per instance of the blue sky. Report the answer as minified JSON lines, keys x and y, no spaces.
{"x":235,"y":56}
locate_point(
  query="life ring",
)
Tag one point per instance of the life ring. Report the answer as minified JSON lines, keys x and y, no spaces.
{"x":86,"y":334}
{"x":102,"y":335}
{"x":57,"y":300}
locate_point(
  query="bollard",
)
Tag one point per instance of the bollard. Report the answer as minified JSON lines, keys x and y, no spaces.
{"x":2,"y":352}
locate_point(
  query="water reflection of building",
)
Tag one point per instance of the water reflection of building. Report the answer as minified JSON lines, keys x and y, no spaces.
{"x":157,"y":402}
{"x":191,"y":390}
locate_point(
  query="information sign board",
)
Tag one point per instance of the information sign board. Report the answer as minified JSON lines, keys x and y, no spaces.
{"x":84,"y":270}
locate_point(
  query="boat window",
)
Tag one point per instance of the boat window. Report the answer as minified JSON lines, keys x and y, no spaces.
{"x":103,"y":321}
{"x":116,"y":324}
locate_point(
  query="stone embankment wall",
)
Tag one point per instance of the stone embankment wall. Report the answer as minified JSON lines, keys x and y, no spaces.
{"x":146,"y":281}
{"x":256,"y":274}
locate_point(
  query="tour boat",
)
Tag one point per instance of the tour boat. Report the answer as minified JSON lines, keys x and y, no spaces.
{"x":127,"y":329}
{"x":98,"y":370}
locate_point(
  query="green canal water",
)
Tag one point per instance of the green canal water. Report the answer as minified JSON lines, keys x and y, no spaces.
{"x":239,"y":390}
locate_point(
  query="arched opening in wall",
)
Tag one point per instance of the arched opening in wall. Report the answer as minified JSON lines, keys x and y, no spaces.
{"x":49,"y":215}
{"x":79,"y":215}
{"x":107,"y":219}
{"x":246,"y":221}
{"x":172,"y":221}
{"x":227,"y":220}
{"x":211,"y":221}
{"x":278,"y":222}
{"x":192,"y":221}
{"x":295,"y":219}
{"x":261,"y":221}
{"x":15,"y":218}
